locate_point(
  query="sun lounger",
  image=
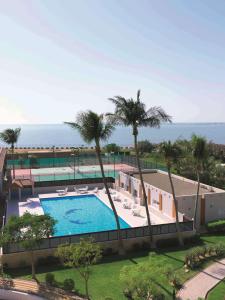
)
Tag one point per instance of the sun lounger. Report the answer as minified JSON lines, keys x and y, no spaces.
{"x":62,"y":192}
{"x":95,"y":190}
{"x":83,"y":189}
{"x":116,"y":198}
{"x":76,"y":190}
{"x":127,"y":205}
{"x":136,"y":212}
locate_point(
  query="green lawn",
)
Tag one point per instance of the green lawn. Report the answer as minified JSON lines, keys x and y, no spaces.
{"x":218,"y":293}
{"x":104,"y":281}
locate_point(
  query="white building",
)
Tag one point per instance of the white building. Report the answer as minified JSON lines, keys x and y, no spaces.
{"x":211,"y":200}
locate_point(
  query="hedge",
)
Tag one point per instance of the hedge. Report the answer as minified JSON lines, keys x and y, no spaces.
{"x":218,"y":226}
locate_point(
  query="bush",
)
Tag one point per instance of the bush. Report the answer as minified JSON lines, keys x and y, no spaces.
{"x":216,"y":226}
{"x":108,"y":251}
{"x":50,"y":279}
{"x":195,"y":239}
{"x":219,"y":250}
{"x":68,"y":284}
{"x":195,"y":256}
{"x":145,"y":147}
{"x":47,"y":261}
{"x":167,"y":243}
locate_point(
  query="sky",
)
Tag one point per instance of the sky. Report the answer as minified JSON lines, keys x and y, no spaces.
{"x":61,"y":57}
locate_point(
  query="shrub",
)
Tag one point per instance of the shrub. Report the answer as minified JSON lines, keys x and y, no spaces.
{"x":68,"y":284}
{"x":135,"y":247}
{"x":145,"y":245}
{"x":219,"y":250}
{"x":108,"y":251}
{"x":167,"y":243}
{"x":50,"y":279}
{"x":216,"y":226}
{"x":49,"y":260}
{"x":195,"y":239}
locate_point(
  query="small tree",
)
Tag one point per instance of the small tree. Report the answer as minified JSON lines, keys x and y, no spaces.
{"x":145,"y":147}
{"x":28,"y":230}
{"x":140,"y":282}
{"x":81,"y":257}
{"x":10,"y":137}
{"x":112,"y":148}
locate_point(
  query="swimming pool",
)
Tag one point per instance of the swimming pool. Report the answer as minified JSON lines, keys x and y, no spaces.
{"x":80,"y":214}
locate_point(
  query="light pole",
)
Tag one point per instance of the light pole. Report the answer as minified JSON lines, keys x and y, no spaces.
{"x":73,"y":154}
{"x":53,"y":150}
{"x":114,"y":167}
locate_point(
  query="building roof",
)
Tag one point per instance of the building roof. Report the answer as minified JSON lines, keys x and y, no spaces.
{"x":182,"y":188}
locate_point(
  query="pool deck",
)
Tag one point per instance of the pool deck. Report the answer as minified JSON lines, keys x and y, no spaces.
{"x":33,"y":206}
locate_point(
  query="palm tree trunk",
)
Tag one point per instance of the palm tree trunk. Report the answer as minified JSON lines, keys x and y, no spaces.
{"x":143,"y":186}
{"x":12,"y":147}
{"x":196,"y":201}
{"x":120,"y":241}
{"x":180,"y":239}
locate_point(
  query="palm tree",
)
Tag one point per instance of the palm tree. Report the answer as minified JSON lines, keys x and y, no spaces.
{"x":171,"y":153}
{"x":96,"y":128}
{"x":200,"y":153}
{"x":130,"y":112}
{"x":10,"y":137}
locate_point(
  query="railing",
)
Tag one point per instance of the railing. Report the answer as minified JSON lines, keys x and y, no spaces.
{"x":103,"y":236}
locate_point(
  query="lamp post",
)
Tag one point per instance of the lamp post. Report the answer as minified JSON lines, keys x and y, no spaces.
{"x":114,"y":167}
{"x":73,"y":154}
{"x":53,"y":150}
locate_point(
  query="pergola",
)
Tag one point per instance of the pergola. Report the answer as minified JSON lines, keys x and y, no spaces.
{"x":21,"y":184}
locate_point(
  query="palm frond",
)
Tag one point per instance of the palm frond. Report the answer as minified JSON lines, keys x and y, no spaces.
{"x":10,"y":136}
{"x":92,"y":126}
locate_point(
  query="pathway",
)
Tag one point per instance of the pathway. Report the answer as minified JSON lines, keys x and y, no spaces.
{"x":204,"y":281}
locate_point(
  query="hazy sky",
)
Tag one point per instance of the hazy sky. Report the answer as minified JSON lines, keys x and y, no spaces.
{"x":58,"y":57}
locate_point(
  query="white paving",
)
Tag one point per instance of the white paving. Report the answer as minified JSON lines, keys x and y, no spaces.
{"x":33,"y":206}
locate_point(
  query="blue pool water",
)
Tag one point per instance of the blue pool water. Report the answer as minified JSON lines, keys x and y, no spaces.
{"x":80,"y":214}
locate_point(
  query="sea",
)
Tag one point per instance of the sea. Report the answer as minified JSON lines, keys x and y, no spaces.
{"x":61,"y":135}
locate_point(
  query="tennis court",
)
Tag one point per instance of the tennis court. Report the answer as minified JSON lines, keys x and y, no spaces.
{"x":70,"y":172}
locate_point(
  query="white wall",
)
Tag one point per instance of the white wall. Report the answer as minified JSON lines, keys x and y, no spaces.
{"x":214,"y":206}
{"x":214,"y":201}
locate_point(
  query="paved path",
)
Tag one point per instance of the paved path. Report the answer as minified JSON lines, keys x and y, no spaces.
{"x":199,"y":285}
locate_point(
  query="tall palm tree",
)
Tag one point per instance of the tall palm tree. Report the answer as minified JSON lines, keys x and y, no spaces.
{"x":10,"y":137}
{"x":96,"y":128}
{"x":200,"y":153}
{"x":171,"y":153}
{"x":132,"y":112}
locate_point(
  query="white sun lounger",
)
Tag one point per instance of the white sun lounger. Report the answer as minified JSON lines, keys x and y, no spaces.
{"x":116,"y":198}
{"x":76,"y":190}
{"x":62,"y":192}
{"x":136,"y":212}
{"x":83,"y":189}
{"x":95,"y":190}
{"x":127,"y":205}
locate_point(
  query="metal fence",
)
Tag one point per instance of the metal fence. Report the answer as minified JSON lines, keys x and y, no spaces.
{"x":103,"y":236}
{"x":132,"y":161}
{"x":80,"y":160}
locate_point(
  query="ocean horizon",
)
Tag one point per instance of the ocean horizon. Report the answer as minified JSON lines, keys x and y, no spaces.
{"x":61,"y":135}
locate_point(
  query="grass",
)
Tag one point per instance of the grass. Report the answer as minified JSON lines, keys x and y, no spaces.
{"x":218,"y":292}
{"x":104,"y":280}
